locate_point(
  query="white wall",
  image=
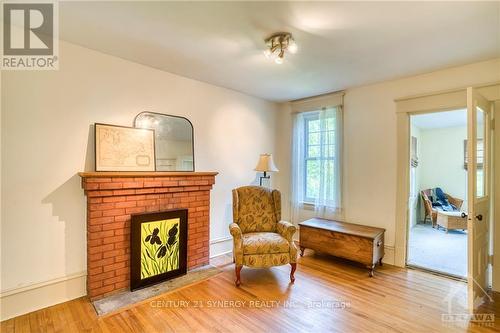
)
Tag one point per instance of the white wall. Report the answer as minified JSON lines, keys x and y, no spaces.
{"x":370,"y":141}
{"x":442,"y":160}
{"x":46,"y":140}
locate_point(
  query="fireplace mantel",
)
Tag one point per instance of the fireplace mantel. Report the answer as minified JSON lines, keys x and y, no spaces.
{"x":125,"y":174}
{"x":112,"y":197}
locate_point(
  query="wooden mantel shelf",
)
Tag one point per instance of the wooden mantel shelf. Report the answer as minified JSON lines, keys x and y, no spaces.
{"x":134,"y":174}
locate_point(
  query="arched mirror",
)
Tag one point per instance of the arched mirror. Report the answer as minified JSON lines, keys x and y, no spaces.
{"x":174,"y":143}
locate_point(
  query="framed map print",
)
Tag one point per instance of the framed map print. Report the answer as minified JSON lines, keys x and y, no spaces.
{"x":120,"y":148}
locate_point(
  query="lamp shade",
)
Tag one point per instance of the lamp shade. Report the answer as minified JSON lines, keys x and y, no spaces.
{"x":266,"y":163}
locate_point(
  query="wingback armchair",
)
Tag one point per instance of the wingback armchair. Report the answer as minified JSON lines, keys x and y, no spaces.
{"x":260,"y":238}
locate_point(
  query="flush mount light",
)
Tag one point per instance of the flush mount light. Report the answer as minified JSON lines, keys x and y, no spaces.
{"x":277,"y":44}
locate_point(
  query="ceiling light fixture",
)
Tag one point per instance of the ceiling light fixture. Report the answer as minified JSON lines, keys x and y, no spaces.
{"x":277,"y":44}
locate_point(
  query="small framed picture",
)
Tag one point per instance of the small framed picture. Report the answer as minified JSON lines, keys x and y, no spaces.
{"x":120,"y":148}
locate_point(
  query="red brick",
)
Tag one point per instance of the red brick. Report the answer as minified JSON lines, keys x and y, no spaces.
{"x":110,"y":186}
{"x":94,"y":228}
{"x":145,"y":191}
{"x":95,"y":256}
{"x":113,"y":267}
{"x":94,"y":200}
{"x":94,"y":271}
{"x":125,"y":204}
{"x":114,"y":253}
{"x":114,"y":199}
{"x":122,"y":231}
{"x":123,"y":271}
{"x":91,"y":186}
{"x":101,"y":291}
{"x":94,"y":242}
{"x":133,"y":184}
{"x":123,"y":192}
{"x":152,"y":183}
{"x":95,"y":285}
{"x":135,"y":210}
{"x":122,"y":218}
{"x":101,"y":263}
{"x":114,"y":212}
{"x":102,"y":206}
{"x":100,"y":235}
{"x":122,"y":245}
{"x":115,"y":239}
{"x":103,"y":276}
{"x":136,"y":197}
{"x":121,"y":179}
{"x":169,"y":183}
{"x":112,"y":226}
{"x":122,"y":258}
{"x":114,"y":280}
{"x":122,"y":285}
{"x":96,"y":213}
{"x":100,"y":249}
{"x":101,"y":220}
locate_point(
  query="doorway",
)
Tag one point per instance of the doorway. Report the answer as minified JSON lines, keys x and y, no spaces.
{"x":480,"y":157}
{"x":437,"y":230}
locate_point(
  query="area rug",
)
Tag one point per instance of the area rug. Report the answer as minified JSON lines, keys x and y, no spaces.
{"x":112,"y":303}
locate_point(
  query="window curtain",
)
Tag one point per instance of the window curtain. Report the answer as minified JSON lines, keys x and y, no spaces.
{"x":323,"y":194}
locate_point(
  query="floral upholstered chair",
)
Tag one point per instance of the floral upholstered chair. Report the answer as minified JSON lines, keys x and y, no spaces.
{"x":260,"y":238}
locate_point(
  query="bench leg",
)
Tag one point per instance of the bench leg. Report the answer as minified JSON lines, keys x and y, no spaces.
{"x":380,"y":261}
{"x":372,"y":270}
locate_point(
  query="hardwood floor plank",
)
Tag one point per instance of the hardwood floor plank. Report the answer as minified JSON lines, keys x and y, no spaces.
{"x":394,"y":300}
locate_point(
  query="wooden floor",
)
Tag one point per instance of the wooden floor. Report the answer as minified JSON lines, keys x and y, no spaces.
{"x":328,"y":296}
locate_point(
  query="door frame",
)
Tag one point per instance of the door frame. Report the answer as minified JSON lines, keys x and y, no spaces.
{"x":421,"y":104}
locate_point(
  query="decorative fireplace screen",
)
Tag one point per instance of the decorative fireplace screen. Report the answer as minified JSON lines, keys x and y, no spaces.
{"x":158,"y":247}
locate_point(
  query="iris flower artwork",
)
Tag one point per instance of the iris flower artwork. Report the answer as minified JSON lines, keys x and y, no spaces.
{"x":159,"y":247}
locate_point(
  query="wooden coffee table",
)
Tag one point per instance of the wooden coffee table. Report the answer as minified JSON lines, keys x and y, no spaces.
{"x":345,"y":240}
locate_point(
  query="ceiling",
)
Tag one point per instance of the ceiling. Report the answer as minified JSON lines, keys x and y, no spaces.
{"x":341,"y":44}
{"x":440,"y":119}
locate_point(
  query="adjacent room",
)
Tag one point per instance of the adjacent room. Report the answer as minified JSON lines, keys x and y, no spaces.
{"x":438,"y":206}
{"x":250,"y":166}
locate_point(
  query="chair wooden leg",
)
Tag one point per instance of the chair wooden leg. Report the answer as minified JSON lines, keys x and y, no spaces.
{"x":237,"y":270}
{"x":292,"y":272}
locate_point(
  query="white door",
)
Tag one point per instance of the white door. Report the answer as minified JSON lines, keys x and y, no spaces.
{"x":478,"y":195}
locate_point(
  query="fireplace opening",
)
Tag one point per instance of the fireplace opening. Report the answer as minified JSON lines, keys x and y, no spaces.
{"x":158,"y":244}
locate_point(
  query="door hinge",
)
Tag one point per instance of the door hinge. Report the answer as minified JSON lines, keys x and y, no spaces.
{"x":490,"y":259}
{"x":492,"y":125}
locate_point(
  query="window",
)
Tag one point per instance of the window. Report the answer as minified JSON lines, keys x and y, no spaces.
{"x":319,"y":156}
{"x":316,"y":158}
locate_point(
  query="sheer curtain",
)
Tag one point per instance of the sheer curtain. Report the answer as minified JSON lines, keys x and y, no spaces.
{"x":316,"y":164}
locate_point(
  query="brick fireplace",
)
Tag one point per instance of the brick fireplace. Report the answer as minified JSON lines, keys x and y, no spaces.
{"x":111,"y":199}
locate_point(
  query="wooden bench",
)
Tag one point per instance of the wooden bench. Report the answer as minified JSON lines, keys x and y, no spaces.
{"x":350,"y":241}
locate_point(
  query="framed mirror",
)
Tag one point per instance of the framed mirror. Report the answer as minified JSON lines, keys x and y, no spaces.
{"x":174,"y":140}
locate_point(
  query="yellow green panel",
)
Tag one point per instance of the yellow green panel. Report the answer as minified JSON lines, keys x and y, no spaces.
{"x":159,"y":247}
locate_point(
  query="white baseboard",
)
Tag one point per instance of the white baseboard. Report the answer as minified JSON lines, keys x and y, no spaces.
{"x":388,"y":255}
{"x":19,"y":301}
{"x":220,"y":246}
